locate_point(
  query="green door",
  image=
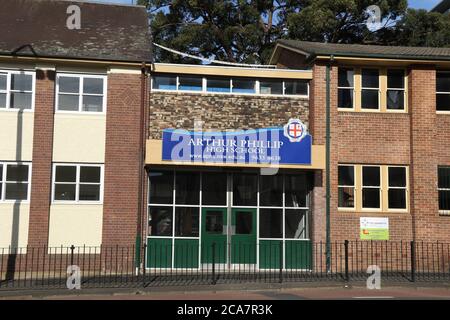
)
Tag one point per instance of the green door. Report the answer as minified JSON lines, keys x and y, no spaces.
{"x":214,"y":235}
{"x":243,"y":238}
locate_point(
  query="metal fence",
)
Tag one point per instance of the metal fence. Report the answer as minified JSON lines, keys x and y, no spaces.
{"x":274,"y":262}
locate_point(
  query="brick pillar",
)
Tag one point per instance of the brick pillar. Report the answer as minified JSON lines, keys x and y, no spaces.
{"x":42,"y":158}
{"x":121,"y":191}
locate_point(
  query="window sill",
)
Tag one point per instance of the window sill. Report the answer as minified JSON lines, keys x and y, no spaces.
{"x":444,"y":212}
{"x":259,"y":95}
{"x":443,"y":112}
{"x":16,"y":110}
{"x":77,"y":203}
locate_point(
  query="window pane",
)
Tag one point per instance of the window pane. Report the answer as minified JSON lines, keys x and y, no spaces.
{"x":443,"y":102}
{"x":244,"y":222}
{"x":165,"y":82}
{"x":65,"y":192}
{"x":397,"y":198}
{"x":89,"y":192}
{"x":396,"y":79}
{"x":68,"y":102}
{"x":2,"y":100}
{"x":397,"y":176}
{"x":90,"y":174}
{"x":160,"y":223}
{"x":369,"y":99}
{"x":69,"y":84}
{"x":345,"y":98}
{"x":1,"y":174}
{"x":370,"y":78}
{"x":345,"y":77}
{"x":66,"y":174}
{"x":395,"y":99}
{"x":371,"y":198}
{"x":271,"y":190}
{"x":187,"y":188}
{"x":346,"y":197}
{"x":16,"y":172}
{"x":93,"y":103}
{"x":244,"y":189}
{"x":444,"y":200}
{"x":371,"y":176}
{"x":21,"y":82}
{"x":16,"y":191}
{"x":218,"y":85}
{"x":214,"y":222}
{"x":93,"y":85}
{"x":244,"y":85}
{"x":346,"y":175}
{"x":296,"y":87}
{"x":186,"y":222}
{"x":270,"y":223}
{"x":271,"y":87}
{"x":3,"y":81}
{"x":444,"y":177}
{"x":442,"y":81}
{"x":296,"y":190}
{"x":20,"y":100}
{"x":214,"y":189}
{"x":296,"y":224}
{"x":190,"y":83}
{"x":161,"y":187}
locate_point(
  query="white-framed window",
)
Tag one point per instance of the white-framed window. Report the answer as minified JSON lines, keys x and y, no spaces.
{"x":371,"y":187}
{"x":443,"y":91}
{"x":346,"y":88}
{"x":81,"y":93}
{"x":15,"y":180}
{"x":346,"y":186}
{"x":370,"y":89}
{"x":444,"y":189}
{"x":17,"y":89}
{"x":81,"y":183}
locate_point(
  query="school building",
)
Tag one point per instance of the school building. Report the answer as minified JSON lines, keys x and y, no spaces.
{"x":101,"y":146}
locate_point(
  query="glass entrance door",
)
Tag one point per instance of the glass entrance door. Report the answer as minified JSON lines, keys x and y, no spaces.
{"x":243,"y":237}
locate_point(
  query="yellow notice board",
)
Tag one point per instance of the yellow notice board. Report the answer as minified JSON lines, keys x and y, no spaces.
{"x":374,"y":228}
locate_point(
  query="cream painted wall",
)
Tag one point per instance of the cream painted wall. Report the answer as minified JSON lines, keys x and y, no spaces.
{"x":16,"y":127}
{"x":11,"y":220}
{"x":75,"y":224}
{"x":79,"y":138}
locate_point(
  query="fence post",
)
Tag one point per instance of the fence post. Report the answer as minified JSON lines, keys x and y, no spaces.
{"x":346,"y":260}
{"x":281,"y":261}
{"x":413,"y":261}
{"x":213,"y":263}
{"x":143,"y":263}
{"x":72,"y":248}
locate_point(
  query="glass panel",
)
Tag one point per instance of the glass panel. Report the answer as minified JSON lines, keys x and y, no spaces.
{"x":93,"y":103}
{"x":187,"y":188}
{"x":345,"y":98}
{"x":90,"y":174}
{"x":271,"y":87}
{"x":396,"y":79}
{"x":161,"y":187}
{"x":371,"y":198}
{"x":3,"y":81}
{"x":218,"y":85}
{"x":65,"y":192}
{"x":369,"y":99}
{"x":69,"y":84}
{"x":244,"y":222}
{"x":442,"y":81}
{"x":93,"y":85}
{"x":186,"y":222}
{"x":66,"y":174}
{"x":270,"y":223}
{"x":296,"y":87}
{"x":443,"y":102}
{"x":190,"y":83}
{"x":160,"y":223}
{"x":20,"y":100}
{"x":444,"y":177}
{"x":68,"y":102}
{"x":345,"y":77}
{"x":17,"y":172}
{"x":395,"y":99}
{"x":21,"y":82}
{"x":397,"y":198}
{"x":165,"y":82}
{"x":444,"y":200}
{"x":397,"y":176}
{"x":245,"y":189}
{"x":271,"y":191}
{"x":244,"y":85}
{"x":89,"y":192}
{"x":214,"y":222}
{"x":2,"y":100}
{"x":346,"y":175}
{"x":370,"y":78}
{"x":296,"y":224}
{"x":346,"y":197}
{"x":214,"y":189}
{"x":371,"y":176}
{"x":1,"y":174}
{"x":296,"y":190}
{"x":16,"y":191}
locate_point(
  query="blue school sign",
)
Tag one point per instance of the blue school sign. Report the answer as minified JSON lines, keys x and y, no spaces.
{"x":290,"y":144}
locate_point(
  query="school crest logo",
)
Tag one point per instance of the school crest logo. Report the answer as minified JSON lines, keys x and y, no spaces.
{"x":295,"y":130}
